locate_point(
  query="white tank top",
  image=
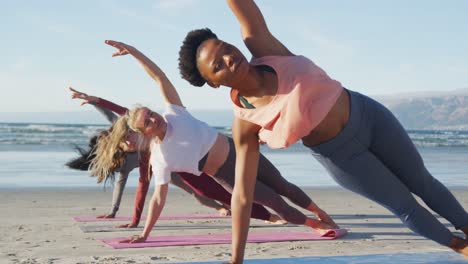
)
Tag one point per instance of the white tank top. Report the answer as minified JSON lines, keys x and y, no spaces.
{"x":186,"y":142}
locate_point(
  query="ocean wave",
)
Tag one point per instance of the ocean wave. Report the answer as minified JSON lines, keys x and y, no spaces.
{"x":71,"y":134}
{"x":48,"y":129}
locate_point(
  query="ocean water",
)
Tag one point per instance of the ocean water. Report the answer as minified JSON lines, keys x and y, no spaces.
{"x":33,"y":155}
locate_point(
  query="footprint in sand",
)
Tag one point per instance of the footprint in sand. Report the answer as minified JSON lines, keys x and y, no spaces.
{"x":159,"y":258}
{"x":223,"y":254}
{"x":296,"y":247}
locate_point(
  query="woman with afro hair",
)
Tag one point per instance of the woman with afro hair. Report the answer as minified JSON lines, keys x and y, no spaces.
{"x":280,"y":98}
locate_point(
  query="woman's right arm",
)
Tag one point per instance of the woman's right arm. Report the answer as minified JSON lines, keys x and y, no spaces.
{"x":255,"y":33}
{"x":155,"y":208}
{"x":154,"y":211}
{"x":167,"y":89}
{"x":245,"y":135}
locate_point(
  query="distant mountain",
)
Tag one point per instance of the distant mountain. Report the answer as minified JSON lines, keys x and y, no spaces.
{"x":433,"y":111}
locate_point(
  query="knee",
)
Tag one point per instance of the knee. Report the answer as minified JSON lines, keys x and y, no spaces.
{"x":289,"y":190}
{"x":406,"y":210}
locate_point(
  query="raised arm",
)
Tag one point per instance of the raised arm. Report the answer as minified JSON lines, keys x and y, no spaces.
{"x":103,"y":103}
{"x":247,"y":151}
{"x":108,"y":114}
{"x":167,"y":89}
{"x":254,"y":30}
{"x":99,"y":103}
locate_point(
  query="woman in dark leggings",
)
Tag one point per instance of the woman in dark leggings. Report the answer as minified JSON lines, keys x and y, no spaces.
{"x":203,"y":188}
{"x":179,"y":142}
{"x":280,"y":98}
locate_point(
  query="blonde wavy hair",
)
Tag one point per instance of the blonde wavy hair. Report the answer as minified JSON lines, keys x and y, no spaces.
{"x":109,"y":155}
{"x":132,"y":116}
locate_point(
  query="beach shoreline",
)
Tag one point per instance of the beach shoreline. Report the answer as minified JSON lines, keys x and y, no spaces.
{"x":37,"y":227}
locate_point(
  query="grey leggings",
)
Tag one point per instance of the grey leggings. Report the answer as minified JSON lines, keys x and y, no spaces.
{"x":270,"y":185}
{"x":374,"y":157}
{"x":131,"y":162}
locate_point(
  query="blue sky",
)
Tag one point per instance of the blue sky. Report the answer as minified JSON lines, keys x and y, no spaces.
{"x":375,"y":47}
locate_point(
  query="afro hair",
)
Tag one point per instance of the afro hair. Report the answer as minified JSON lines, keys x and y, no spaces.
{"x":188,"y":55}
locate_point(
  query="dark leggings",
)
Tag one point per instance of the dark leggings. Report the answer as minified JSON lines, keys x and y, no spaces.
{"x":268,"y":189}
{"x":374,"y":157}
{"x":205,"y":186}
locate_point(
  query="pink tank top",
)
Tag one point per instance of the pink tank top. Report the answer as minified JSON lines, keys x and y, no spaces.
{"x":304,"y":97}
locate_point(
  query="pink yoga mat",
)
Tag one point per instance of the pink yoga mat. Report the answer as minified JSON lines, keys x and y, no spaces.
{"x":164,"y":217}
{"x":256,"y":237}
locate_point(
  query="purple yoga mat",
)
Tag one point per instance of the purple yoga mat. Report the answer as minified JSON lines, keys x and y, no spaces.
{"x":164,"y":217}
{"x":256,"y":237}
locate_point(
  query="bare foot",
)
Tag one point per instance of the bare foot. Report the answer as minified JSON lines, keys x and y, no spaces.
{"x":106,"y":216}
{"x":224,"y":212}
{"x":465,"y":230}
{"x":459,"y":245}
{"x":276,"y":220}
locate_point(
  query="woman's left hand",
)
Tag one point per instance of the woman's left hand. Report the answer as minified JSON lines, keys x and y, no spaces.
{"x":130,"y":225}
{"x":134,"y":239}
{"x":123,"y":49}
{"x":324,"y":217}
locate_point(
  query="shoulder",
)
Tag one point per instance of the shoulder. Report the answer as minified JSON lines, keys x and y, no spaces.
{"x":176,"y":109}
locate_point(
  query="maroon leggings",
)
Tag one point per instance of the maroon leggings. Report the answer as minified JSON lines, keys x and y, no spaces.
{"x":206,"y":186}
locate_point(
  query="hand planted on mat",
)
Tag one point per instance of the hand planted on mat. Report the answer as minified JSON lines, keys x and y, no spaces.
{"x":224,"y":211}
{"x":134,"y":239}
{"x":87,"y":99}
{"x":106,"y":216}
{"x":123,"y":49}
{"x":323,"y":227}
{"x":130,"y":225}
{"x":324,"y":217}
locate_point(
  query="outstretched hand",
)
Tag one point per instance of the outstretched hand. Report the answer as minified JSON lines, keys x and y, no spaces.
{"x":123,"y":49}
{"x":87,"y":99}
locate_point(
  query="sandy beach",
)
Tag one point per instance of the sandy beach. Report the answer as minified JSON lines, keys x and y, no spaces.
{"x":37,"y":227}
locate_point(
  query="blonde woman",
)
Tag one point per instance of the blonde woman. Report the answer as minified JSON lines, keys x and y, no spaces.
{"x":120,"y":148}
